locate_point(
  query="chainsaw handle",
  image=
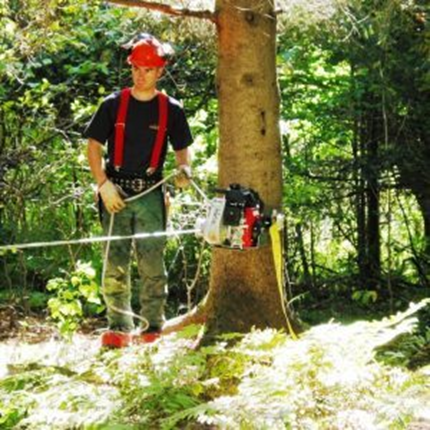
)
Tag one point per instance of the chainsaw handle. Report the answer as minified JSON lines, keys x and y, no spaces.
{"x":232,"y":187}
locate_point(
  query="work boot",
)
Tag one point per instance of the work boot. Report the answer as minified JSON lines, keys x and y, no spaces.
{"x":148,"y":336}
{"x":116,"y":339}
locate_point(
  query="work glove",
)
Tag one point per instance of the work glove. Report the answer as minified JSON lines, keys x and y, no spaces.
{"x":182,"y":179}
{"x":111,"y":198}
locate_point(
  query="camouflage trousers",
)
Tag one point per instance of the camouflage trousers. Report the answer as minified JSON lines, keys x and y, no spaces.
{"x":144,"y":215}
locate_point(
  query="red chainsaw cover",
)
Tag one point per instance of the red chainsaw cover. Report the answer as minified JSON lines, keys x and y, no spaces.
{"x":252,"y":215}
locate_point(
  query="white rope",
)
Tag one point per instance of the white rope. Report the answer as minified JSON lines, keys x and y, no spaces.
{"x":199,"y":190}
{"x":109,"y":238}
{"x":96,"y":239}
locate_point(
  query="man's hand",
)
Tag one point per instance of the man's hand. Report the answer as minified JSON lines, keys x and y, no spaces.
{"x":182,"y":179}
{"x":111,"y":197}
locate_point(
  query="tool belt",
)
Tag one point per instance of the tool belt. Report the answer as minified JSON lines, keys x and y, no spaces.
{"x":132,"y":184}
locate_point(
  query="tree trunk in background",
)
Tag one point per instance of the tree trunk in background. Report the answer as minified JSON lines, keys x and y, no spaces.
{"x":358,"y":151}
{"x":422,"y":257}
{"x":413,"y":163}
{"x":360,"y":209}
{"x":243,"y":290}
{"x":302,"y":251}
{"x":373,"y":216}
{"x":368,"y":193}
{"x":424,"y":203}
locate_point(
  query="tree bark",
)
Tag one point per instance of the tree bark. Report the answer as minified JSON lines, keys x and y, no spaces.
{"x":413,"y":162}
{"x":424,"y":203}
{"x":360,"y":200}
{"x":368,"y":215}
{"x":373,"y":210}
{"x":243,"y":290}
{"x":305,"y":265}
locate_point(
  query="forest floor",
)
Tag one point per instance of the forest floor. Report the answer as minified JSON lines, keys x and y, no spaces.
{"x":169,"y":386}
{"x":21,"y":328}
{"x":23,"y":334}
{"x":34,"y":327}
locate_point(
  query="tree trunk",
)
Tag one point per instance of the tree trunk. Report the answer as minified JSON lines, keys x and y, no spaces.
{"x":360,"y":201}
{"x":359,"y":187}
{"x":369,"y":136}
{"x":423,"y":200}
{"x":305,"y":265}
{"x":243,"y":290}
{"x":413,"y":162}
{"x":373,"y":216}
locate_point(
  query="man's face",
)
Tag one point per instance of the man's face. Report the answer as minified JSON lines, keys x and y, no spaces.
{"x":145,"y":78}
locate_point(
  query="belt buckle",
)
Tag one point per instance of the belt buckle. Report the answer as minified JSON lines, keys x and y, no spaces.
{"x":137,"y":185}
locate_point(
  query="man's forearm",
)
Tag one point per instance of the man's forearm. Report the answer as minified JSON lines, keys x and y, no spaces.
{"x":183,"y":157}
{"x":95,"y":160}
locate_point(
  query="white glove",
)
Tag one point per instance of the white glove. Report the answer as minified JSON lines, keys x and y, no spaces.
{"x":111,"y":197}
{"x":183,"y":177}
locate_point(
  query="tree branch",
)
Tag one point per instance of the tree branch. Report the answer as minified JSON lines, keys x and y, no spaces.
{"x":197,"y":315}
{"x":164,"y":8}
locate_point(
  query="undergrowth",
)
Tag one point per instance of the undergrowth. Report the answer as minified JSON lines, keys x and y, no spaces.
{"x":328,"y":379}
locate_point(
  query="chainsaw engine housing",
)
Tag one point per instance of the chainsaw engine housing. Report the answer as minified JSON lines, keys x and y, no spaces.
{"x":235,"y":219}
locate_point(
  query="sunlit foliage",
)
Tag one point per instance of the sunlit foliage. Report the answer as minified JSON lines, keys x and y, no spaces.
{"x":328,"y":379}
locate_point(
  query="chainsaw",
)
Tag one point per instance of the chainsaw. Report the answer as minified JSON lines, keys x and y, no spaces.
{"x":235,"y":219}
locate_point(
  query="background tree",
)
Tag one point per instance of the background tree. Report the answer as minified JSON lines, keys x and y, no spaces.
{"x":243,"y":291}
{"x":345,"y":142}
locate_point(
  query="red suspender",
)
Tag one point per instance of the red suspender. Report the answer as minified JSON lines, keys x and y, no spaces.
{"x":161,"y":133}
{"x":120,"y":129}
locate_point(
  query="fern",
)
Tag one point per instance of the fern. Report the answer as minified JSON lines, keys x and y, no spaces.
{"x":328,"y":379}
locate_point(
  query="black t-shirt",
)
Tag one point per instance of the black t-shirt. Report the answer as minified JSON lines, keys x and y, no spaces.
{"x":140,"y":131}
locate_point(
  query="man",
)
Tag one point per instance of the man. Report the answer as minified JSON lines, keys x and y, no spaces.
{"x":136,"y":123}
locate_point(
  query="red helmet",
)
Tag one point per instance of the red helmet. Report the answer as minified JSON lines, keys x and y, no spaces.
{"x":147,"y":53}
